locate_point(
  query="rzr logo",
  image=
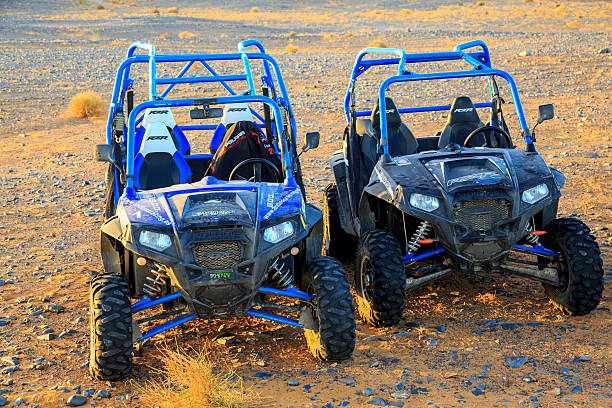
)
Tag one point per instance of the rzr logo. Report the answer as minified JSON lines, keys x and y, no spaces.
{"x":390,"y":111}
{"x":463,"y":110}
{"x":157,"y":137}
{"x":236,"y":109}
{"x":157,"y":112}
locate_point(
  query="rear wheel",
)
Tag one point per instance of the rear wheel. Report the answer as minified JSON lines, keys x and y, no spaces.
{"x":580,"y":267}
{"x":380,"y":279}
{"x":110,"y":321}
{"x":333,"y":315}
{"x":337,"y":242}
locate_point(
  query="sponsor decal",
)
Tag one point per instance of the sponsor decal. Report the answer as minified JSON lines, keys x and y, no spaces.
{"x":236,"y":109}
{"x":390,"y":111}
{"x":459,"y":110}
{"x":270,"y":200}
{"x":282,"y":201}
{"x":153,"y":211}
{"x":219,"y":275}
{"x":157,"y":137}
{"x":485,"y":177}
{"x":211,"y":213}
{"x":157,"y":112}
{"x":384,"y":180}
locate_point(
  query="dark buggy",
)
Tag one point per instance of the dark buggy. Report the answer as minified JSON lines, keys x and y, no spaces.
{"x":415,"y":209}
{"x":211,"y":235}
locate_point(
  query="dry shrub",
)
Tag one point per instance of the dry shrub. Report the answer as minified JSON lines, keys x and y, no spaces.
{"x":86,"y":105}
{"x":100,"y":7}
{"x":191,"y":380}
{"x":155,"y":11}
{"x":163,"y":36}
{"x":378,"y":44}
{"x":573,"y":24}
{"x":172,"y":10}
{"x":187,"y":35}
{"x":292,"y":34}
{"x":561,"y":10}
{"x":291,"y":49}
{"x":405,"y":12}
{"x":255,"y":10}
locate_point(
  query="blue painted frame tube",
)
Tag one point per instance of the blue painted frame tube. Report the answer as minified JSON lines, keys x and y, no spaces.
{"x":152,"y":72}
{"x":410,"y":257}
{"x":275,"y":318}
{"x":537,"y":250}
{"x":449,"y":75}
{"x":291,"y":292}
{"x":177,"y":321}
{"x":425,"y":109}
{"x":146,"y":302}
{"x":251,"y":42}
{"x":285,"y":157}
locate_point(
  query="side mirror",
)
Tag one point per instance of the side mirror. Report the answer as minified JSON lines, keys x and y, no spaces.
{"x":104,"y":153}
{"x":546,"y":112}
{"x":311,"y":141}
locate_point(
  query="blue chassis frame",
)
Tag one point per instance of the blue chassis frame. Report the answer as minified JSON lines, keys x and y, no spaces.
{"x":123,"y":82}
{"x":481,"y":66}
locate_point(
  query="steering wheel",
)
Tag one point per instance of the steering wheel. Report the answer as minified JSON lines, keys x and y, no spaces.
{"x":502,"y":138}
{"x":256,"y":163}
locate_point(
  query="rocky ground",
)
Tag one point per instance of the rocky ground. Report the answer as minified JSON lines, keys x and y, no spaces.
{"x":488,"y":341}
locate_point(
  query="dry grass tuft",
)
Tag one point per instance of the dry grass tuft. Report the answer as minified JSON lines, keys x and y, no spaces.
{"x":86,"y":105}
{"x":291,"y":34}
{"x":573,"y":24}
{"x":255,"y":10}
{"x":100,"y":7}
{"x":192,"y":380}
{"x":291,"y":49}
{"x":155,"y":11}
{"x":172,"y":10}
{"x":163,"y":36}
{"x":405,"y":12}
{"x":378,"y":44}
{"x":187,"y":35}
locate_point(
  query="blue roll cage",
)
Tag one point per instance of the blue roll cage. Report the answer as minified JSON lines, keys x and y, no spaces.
{"x":275,"y":102}
{"x":481,"y":66}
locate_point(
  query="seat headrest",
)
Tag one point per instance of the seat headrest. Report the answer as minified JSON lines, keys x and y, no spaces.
{"x":157,"y":139}
{"x":163,"y":115}
{"x":394,"y":119}
{"x":236,"y":112}
{"x":462,"y":110}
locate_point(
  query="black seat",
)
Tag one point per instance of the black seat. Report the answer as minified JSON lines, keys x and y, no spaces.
{"x":462,"y":120}
{"x":400,"y":138}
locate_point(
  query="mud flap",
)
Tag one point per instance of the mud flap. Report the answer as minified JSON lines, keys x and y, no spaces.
{"x":307,"y":320}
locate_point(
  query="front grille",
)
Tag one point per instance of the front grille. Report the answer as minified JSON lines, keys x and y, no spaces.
{"x":218,"y":255}
{"x":481,"y":214}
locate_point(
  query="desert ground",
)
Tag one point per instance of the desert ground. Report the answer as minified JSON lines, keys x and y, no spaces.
{"x":451,"y":348}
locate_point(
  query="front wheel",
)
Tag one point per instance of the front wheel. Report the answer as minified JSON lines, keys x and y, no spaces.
{"x":333,"y":315}
{"x":380,"y":279}
{"x":580,"y":267}
{"x":110,"y":321}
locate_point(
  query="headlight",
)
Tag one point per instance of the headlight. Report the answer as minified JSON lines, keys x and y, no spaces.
{"x":535,"y":194}
{"x":278,"y":232}
{"x":154,"y":240}
{"x":424,"y":202}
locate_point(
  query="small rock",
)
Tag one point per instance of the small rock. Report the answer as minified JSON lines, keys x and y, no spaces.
{"x":554,"y":391}
{"x":516,"y":362}
{"x":10,"y":360}
{"x":54,"y":308}
{"x":524,"y":54}
{"x":103,"y":394}
{"x":46,"y":337}
{"x":604,"y":51}
{"x":529,"y":379}
{"x":226,"y":340}
{"x":3,"y":401}
{"x":400,"y":395}
{"x":367,"y":392}
{"x":76,"y":401}
{"x":347,"y":381}
{"x":19,"y":401}
{"x":293,"y":382}
{"x":378,"y":401}
{"x":9,"y":369}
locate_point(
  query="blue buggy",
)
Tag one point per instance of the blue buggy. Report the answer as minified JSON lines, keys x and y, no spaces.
{"x":215,"y":234}
{"x":414,"y":209}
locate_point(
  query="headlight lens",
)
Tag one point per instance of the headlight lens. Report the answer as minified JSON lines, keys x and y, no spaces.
{"x":424,"y":202}
{"x":278,"y":232}
{"x":535,"y":194}
{"x":154,"y":240}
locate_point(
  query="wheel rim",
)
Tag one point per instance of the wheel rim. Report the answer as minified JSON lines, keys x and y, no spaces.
{"x":366,"y":279}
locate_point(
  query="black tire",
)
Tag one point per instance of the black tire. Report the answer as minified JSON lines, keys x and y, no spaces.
{"x":380,"y":279}
{"x":336,"y":241}
{"x":110,"y":322}
{"x":334,"y":314}
{"x":580,"y":267}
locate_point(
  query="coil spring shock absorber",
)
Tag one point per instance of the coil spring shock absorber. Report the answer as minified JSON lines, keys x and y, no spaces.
{"x":420,"y":233}
{"x":281,"y":272}
{"x":532,"y":239}
{"x":154,"y":286}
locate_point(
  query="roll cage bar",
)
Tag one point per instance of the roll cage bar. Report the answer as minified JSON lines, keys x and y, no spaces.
{"x":480,"y":62}
{"x":278,"y":101}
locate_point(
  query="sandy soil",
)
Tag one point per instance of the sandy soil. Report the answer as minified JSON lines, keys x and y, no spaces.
{"x":452,"y":343}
